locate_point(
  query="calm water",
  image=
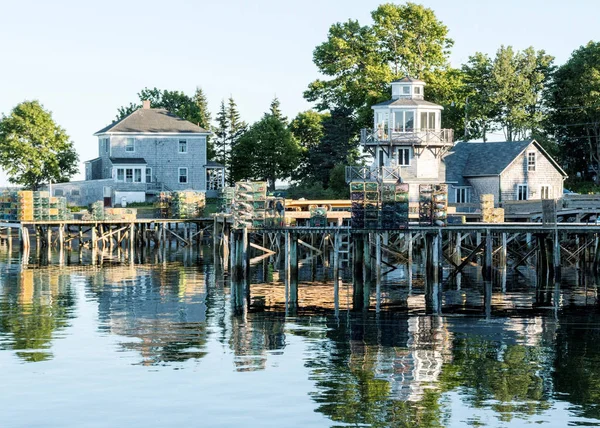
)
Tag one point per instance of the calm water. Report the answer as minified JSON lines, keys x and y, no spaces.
{"x":158,"y":343}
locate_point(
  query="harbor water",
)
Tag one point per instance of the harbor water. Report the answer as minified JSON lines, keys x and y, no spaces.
{"x":158,"y":342}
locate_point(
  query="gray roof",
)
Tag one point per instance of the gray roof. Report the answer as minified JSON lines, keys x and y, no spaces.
{"x":408,"y":80}
{"x":152,"y":120}
{"x":485,"y":159}
{"x":214,"y":164}
{"x":407,"y":102}
{"x":140,"y":161}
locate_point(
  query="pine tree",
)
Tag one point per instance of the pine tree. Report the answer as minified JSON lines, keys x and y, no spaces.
{"x":236,"y":128}
{"x":275,"y":110}
{"x":204,"y":120}
{"x":202,"y":103}
{"x":220,"y":136}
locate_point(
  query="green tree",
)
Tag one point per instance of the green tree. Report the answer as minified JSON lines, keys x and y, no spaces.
{"x":307,"y":127}
{"x":361,"y":61}
{"x":220,"y":133}
{"x":480,"y":111}
{"x":574,"y":103}
{"x":339,"y":145}
{"x":267,"y":151}
{"x":275,"y":110}
{"x":236,"y":128}
{"x":33,"y":148}
{"x":202,"y":103}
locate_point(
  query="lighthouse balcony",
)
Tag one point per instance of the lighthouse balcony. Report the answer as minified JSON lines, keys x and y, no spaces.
{"x":422,"y":137}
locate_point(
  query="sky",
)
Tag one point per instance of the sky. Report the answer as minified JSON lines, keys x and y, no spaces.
{"x":84,"y":59}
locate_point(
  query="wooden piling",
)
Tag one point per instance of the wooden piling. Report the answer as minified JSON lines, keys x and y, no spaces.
{"x":293,"y":270}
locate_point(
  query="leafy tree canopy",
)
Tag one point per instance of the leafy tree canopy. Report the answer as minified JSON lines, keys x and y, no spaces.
{"x":33,"y":148}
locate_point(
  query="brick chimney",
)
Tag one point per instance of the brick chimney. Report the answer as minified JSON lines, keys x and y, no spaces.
{"x":146,"y":104}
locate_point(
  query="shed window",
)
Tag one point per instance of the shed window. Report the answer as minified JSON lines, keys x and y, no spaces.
{"x":59,"y":192}
{"x":522,"y":192}
{"x":404,"y":156}
{"x":75,"y":192}
{"x":531,"y":161}
{"x":183,"y":175}
{"x":462,"y":195}
{"x":182,"y":146}
{"x":130,"y":145}
{"x":546,"y":192}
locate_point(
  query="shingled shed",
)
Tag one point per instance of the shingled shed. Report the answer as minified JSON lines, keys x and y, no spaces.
{"x":509,"y":170}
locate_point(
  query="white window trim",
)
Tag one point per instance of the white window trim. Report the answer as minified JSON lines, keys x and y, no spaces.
{"x":148,"y":168}
{"x":126,"y":145}
{"x":403,"y":113}
{"x":187,"y":178}
{"x":409,"y":156}
{"x":458,"y":189}
{"x":519,"y":186}
{"x":179,"y":141}
{"x":534,"y":162}
{"x":550,"y":193}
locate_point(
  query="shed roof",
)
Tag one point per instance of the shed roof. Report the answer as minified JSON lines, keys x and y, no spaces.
{"x":214,"y":164}
{"x":136,"y":161}
{"x":156,"y":120}
{"x":470,"y":159}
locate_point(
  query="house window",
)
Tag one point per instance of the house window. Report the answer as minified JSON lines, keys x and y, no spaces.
{"x":59,"y":192}
{"x":428,"y":120}
{"x":138,"y":175}
{"x":106,"y":145}
{"x":522,"y":192}
{"x":182,"y":146}
{"x":120,"y":174}
{"x":148,"y":175}
{"x":531,"y":161}
{"x":130,"y":145}
{"x":462,"y":195}
{"x":417,"y":90}
{"x":404,"y":156}
{"x":404,"y":121}
{"x":183,"y":175}
{"x":406,"y":90}
{"x":409,"y":121}
{"x":129,"y":175}
{"x":75,"y":192}
{"x":546,"y":192}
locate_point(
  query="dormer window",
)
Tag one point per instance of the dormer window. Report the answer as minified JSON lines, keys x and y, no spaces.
{"x":406,"y":90}
{"x":417,"y":90}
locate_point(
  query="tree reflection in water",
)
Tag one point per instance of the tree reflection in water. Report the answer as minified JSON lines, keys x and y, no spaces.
{"x":34,"y":305}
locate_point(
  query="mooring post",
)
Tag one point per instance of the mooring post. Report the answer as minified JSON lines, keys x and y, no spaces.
{"x":357,"y":273}
{"x":245,"y":255}
{"x":409,"y":258}
{"x":367,"y":257}
{"x":286,"y":266}
{"x":131,"y":239}
{"x":457,"y":248}
{"x":61,"y":236}
{"x":378,"y":272}
{"x":557,"y":266}
{"x":504,"y":251}
{"x":294,"y":270}
{"x":225,"y":240}
{"x":487,"y":266}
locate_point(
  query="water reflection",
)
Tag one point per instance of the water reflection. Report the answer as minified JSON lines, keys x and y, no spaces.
{"x":512,"y":349}
{"x":35,"y":305}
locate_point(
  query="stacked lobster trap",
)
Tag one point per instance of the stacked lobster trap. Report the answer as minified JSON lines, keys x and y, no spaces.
{"x":181,"y":204}
{"x":394,"y":206}
{"x":249,"y":204}
{"x":433,"y":204}
{"x":364,"y":196}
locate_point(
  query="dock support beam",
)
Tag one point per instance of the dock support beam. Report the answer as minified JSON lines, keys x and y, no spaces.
{"x":293,"y":270}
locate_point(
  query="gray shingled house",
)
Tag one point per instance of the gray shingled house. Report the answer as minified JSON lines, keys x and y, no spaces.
{"x":511,"y":171}
{"x":148,"y":151}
